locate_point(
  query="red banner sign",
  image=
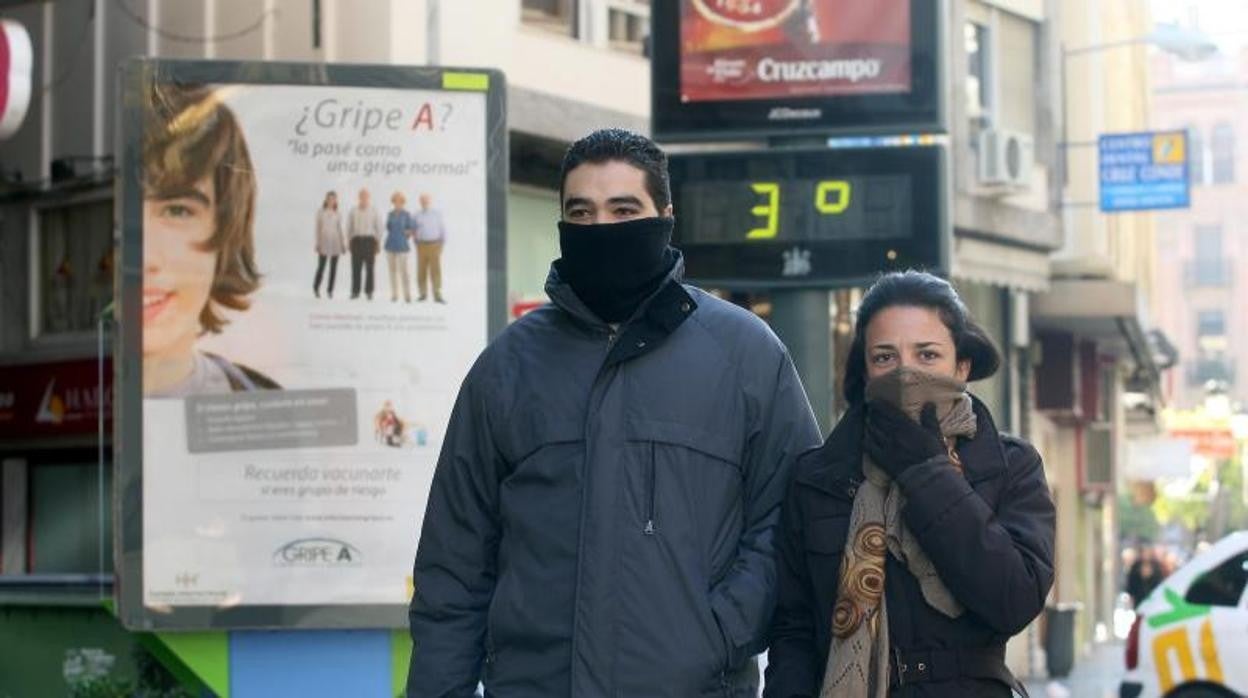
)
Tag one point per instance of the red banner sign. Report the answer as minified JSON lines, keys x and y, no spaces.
{"x":54,"y":399}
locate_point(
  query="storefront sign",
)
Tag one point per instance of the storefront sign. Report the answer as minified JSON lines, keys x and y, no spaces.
{"x":1144,"y":171}
{"x":16,"y":66}
{"x":55,"y":399}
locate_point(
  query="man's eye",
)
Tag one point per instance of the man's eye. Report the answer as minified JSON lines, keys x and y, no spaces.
{"x":882,"y":358}
{"x":626,"y":212}
{"x":929,"y":356}
{"x":577,"y":213}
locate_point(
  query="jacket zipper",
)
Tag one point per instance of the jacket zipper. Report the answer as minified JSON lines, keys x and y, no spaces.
{"x":649,"y":530}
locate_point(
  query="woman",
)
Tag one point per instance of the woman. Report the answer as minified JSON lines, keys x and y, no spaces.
{"x":331,"y":243}
{"x":918,"y":538}
{"x":399,"y":227}
{"x":199,"y":198}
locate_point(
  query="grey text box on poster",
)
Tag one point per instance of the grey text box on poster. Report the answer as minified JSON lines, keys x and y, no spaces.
{"x":268,"y":420}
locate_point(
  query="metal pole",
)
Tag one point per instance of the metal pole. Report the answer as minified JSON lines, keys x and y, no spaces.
{"x":800,"y":318}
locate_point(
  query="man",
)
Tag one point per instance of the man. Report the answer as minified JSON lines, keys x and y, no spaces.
{"x":364,"y":235}
{"x":430,"y":237}
{"x":601,"y":517}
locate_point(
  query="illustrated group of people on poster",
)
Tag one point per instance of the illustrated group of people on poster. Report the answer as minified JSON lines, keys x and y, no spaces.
{"x":361,"y":233}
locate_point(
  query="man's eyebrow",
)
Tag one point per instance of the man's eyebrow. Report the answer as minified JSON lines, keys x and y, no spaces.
{"x":883,"y":345}
{"x":576,"y":201}
{"x":185,"y":193}
{"x":629,"y":199}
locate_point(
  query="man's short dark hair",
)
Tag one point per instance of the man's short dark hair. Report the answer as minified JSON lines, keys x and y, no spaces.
{"x":635,"y":149}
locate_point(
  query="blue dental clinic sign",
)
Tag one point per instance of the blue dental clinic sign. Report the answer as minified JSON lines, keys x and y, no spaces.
{"x":1143,"y":171}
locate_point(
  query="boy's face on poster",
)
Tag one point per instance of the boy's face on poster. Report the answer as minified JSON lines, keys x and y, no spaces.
{"x":178,"y":267}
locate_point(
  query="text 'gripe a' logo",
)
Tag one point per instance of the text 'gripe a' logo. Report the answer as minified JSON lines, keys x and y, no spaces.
{"x":317,"y":552}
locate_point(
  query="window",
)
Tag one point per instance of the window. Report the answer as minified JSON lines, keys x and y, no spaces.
{"x":1208,"y":242}
{"x":1211,"y":332}
{"x":74,"y":275}
{"x":554,"y":15}
{"x":1223,"y":154}
{"x":628,"y":25}
{"x":978,"y":74}
{"x":1196,"y":155}
{"x":70,"y":519}
{"x":1210,"y":323}
{"x":1222,"y":585}
{"x":1208,"y":269}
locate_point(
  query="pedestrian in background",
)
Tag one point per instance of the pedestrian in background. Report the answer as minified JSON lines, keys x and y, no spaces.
{"x":918,"y":539}
{"x":602,"y":515}
{"x":1146,"y":573}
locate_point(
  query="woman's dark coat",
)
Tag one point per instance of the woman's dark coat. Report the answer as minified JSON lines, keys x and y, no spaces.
{"x":989,"y":531}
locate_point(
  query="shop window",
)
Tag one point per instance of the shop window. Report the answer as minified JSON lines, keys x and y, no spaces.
{"x":554,"y":15}
{"x":74,"y":261}
{"x":1222,"y":585}
{"x":70,"y":519}
{"x":628,"y":25}
{"x":1223,"y":154}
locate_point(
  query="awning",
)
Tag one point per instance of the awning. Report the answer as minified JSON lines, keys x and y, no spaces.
{"x":1008,"y":266}
{"x":1110,"y":312}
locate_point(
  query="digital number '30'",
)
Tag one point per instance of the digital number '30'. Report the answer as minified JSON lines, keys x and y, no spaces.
{"x":831,"y":199}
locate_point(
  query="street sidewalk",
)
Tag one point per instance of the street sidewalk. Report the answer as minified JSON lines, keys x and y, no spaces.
{"x":1094,"y":676}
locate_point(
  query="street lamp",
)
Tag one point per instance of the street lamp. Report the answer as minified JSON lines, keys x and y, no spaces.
{"x":1186,"y":43}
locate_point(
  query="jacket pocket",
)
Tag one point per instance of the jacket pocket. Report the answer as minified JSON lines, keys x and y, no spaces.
{"x":825,"y":543}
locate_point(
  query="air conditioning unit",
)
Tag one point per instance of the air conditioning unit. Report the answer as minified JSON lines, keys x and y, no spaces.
{"x":1005,"y":158}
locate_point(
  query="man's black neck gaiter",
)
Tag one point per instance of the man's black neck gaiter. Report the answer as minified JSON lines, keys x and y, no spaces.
{"x":613,"y":267}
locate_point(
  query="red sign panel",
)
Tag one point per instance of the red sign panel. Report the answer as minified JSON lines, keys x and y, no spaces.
{"x":776,"y":49}
{"x":1212,"y":443}
{"x":54,"y":399}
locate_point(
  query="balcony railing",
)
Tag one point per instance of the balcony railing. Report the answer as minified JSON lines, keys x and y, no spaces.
{"x":1208,"y":273}
{"x":1202,"y":371}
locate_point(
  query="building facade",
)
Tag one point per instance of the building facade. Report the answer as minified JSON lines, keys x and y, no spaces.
{"x":1201,"y":287}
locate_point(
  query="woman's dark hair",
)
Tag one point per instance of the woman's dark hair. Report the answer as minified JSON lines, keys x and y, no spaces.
{"x":919,"y":290}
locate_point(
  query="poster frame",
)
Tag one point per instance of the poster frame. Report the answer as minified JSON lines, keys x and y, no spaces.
{"x":133,"y":77}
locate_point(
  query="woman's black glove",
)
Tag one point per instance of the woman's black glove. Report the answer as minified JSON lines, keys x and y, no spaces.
{"x":896,"y":442}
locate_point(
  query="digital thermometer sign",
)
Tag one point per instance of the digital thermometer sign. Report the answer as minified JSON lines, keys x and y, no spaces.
{"x":810,"y":217}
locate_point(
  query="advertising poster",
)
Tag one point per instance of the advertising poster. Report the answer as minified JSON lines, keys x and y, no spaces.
{"x":777,"y":49}
{"x":310,"y":282}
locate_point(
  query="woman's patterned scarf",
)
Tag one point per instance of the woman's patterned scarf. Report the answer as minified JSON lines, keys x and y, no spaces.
{"x":858,"y":660}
